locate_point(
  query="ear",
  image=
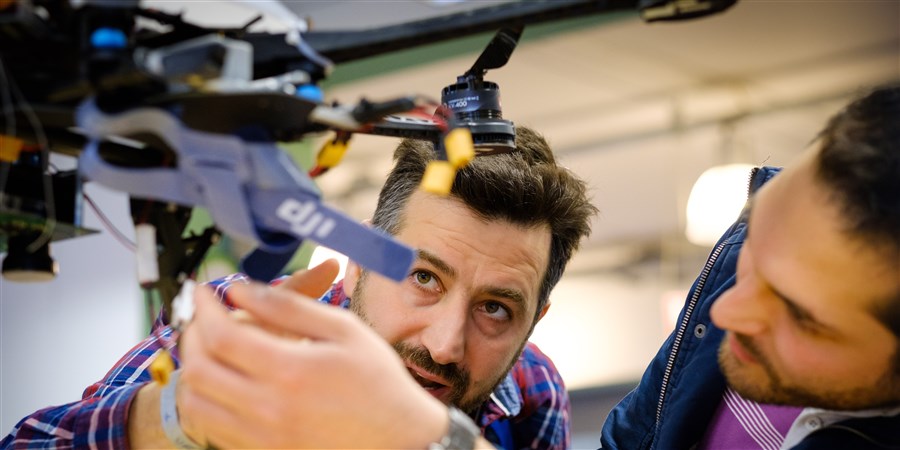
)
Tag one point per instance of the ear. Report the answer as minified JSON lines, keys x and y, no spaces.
{"x":351,"y":276}
{"x":543,"y":310}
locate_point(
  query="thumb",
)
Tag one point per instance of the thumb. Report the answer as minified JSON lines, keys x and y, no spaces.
{"x":313,"y":282}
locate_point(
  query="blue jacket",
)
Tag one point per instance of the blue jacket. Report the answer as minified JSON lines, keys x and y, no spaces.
{"x":680,"y":390}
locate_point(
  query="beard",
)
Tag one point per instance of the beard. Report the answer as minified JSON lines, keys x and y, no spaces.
{"x":458,"y":380}
{"x":464,"y":395}
{"x":763,"y":383}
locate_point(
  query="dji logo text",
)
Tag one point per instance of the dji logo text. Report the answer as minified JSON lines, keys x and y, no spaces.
{"x":304,"y":220}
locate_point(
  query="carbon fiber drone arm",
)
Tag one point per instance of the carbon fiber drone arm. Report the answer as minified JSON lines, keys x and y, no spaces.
{"x":251,"y":189}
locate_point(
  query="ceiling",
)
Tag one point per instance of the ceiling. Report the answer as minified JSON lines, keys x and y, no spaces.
{"x":640,"y":110}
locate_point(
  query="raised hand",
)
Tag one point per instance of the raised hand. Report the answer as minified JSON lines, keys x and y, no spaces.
{"x":302,"y":375}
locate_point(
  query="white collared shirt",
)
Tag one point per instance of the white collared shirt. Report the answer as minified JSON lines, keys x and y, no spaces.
{"x":812,"y":419}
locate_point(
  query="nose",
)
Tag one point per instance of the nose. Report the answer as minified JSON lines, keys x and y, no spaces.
{"x":445,"y":335}
{"x":741,"y":309}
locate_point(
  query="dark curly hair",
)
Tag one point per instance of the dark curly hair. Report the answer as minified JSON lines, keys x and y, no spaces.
{"x":525,"y":187}
{"x":859,"y":163}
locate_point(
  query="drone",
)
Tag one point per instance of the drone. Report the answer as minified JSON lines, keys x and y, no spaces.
{"x":181,"y":116}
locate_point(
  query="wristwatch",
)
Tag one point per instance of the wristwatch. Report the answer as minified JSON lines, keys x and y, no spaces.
{"x":169,"y":416}
{"x":461,"y":434}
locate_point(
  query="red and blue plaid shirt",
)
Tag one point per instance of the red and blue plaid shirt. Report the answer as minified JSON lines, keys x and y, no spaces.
{"x":528,"y":409}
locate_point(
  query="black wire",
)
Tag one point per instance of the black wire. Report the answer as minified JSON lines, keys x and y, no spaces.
{"x":118,"y":235}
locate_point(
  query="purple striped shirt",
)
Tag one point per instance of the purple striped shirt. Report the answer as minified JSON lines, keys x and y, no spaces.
{"x":746,"y":425}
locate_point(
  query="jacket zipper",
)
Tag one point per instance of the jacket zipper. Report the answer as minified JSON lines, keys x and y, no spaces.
{"x":695,"y":296}
{"x":679,"y":335}
{"x":753,"y":173}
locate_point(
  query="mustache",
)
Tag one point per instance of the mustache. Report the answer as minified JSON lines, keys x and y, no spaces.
{"x":452,"y":373}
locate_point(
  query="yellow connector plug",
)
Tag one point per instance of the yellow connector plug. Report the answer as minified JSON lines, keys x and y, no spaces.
{"x":438,"y":177}
{"x":331,"y":154}
{"x":161,"y":367}
{"x":460,"y":148}
{"x":10,"y":148}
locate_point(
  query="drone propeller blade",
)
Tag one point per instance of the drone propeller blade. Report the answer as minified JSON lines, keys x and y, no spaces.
{"x":497,"y":52}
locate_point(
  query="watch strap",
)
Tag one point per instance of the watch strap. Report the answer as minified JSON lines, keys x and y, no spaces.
{"x":169,"y":415}
{"x":461,"y":434}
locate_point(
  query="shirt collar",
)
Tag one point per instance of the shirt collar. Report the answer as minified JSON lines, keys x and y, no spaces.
{"x":506,"y":401}
{"x":812,"y":419}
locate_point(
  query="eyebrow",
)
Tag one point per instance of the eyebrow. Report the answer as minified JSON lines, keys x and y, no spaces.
{"x":437,"y":262}
{"x":802,"y":314}
{"x":797,"y":311}
{"x":510,"y":294}
{"x":513,"y":295}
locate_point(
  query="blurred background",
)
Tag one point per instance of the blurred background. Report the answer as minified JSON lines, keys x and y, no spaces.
{"x":639,"y":110}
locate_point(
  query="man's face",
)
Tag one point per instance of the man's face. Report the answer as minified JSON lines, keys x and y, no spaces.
{"x":461,"y":317}
{"x":800,"y":327}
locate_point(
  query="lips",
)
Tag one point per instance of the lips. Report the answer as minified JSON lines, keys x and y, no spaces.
{"x":738,"y":350}
{"x":435,"y":385}
{"x":425,"y":382}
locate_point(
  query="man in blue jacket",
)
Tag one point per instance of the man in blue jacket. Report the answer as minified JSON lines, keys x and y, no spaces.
{"x":789,"y":337}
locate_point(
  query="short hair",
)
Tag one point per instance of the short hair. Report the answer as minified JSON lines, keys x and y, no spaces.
{"x":525,"y":187}
{"x":859,"y":163}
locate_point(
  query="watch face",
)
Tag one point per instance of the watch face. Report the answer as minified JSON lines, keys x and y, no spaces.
{"x":461,"y":435}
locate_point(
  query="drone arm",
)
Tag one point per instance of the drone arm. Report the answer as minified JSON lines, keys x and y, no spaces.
{"x":306,"y":217}
{"x":343,"y":46}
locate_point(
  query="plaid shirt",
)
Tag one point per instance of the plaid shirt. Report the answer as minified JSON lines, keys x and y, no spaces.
{"x":529,"y":409}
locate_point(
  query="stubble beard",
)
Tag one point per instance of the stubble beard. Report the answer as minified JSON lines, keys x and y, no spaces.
{"x":462,"y":394}
{"x":763,"y":383}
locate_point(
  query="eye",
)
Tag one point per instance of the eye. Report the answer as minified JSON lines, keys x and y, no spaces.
{"x":802,"y":321}
{"x":424,"y":279}
{"x":497,"y":311}
{"x":801,"y":318}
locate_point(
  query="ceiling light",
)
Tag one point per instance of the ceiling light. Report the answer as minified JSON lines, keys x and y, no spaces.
{"x":715,"y":202}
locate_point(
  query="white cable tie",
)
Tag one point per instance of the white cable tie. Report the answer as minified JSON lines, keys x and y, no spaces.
{"x":145,"y":253}
{"x":183,"y":306}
